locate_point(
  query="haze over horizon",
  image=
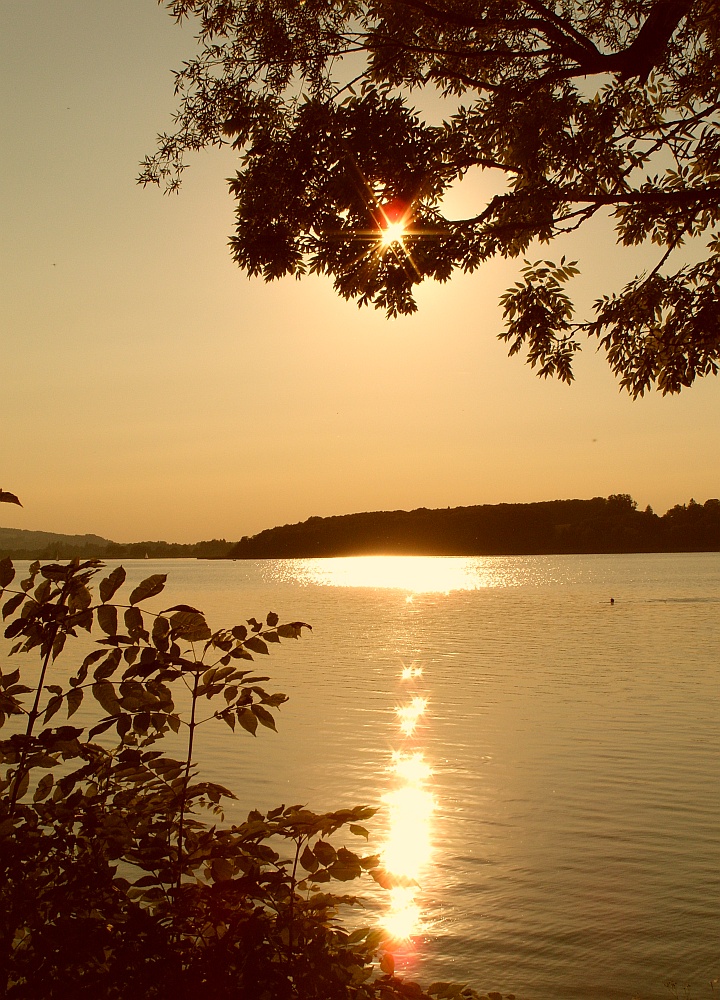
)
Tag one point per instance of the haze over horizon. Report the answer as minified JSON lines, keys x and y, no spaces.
{"x":151,"y":390}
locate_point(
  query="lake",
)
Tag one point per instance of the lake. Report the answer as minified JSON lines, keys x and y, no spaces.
{"x":546,"y":764}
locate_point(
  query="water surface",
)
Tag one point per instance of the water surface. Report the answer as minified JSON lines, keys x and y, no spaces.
{"x":560,"y":780}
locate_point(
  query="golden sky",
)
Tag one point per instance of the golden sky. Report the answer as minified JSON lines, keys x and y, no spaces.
{"x":150,"y":390}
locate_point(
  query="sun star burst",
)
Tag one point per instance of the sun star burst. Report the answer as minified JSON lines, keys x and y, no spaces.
{"x":392,"y":233}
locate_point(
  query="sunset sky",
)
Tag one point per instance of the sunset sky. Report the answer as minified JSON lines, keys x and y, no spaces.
{"x":150,"y":390}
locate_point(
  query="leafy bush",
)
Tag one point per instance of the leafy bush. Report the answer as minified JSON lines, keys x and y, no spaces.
{"x":119,"y":876}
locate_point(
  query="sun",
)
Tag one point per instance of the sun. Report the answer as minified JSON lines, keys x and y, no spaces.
{"x":392,"y":233}
{"x":393,"y":217}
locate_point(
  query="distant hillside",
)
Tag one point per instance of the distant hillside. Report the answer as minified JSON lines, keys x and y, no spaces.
{"x":19,"y":540}
{"x":612,"y":524}
{"x":20,"y":544}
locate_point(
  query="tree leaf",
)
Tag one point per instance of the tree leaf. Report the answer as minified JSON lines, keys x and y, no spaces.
{"x":107,"y":617}
{"x":23,"y":785}
{"x":383,"y":878}
{"x":387,"y":964}
{"x":222,"y":870}
{"x":145,"y":880}
{"x":148,"y":588}
{"x":104,"y":693}
{"x":88,"y":662}
{"x":74,"y":700}
{"x":325,"y":853}
{"x":111,"y":584}
{"x":123,"y":726}
{"x":309,"y":861}
{"x":101,"y":727}
{"x":359,"y":831}
{"x":7,"y":572}
{"x":291,"y":630}
{"x":247,"y":720}
{"x":108,"y":666}
{"x":229,"y":718}
{"x":275,"y":699}
{"x":264,"y":717}
{"x":44,"y":788}
{"x":12,"y":604}
{"x":256,"y":644}
{"x":41,"y":592}
{"x":80,"y":597}
{"x":9,"y":498}
{"x":15,"y":628}
{"x":134,"y":622}
{"x":53,"y":706}
{"x":83,"y":620}
{"x":160,"y":632}
{"x":190,"y":626}
{"x":344,"y":871}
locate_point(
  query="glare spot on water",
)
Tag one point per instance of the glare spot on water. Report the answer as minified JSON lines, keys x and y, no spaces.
{"x":409,"y":715}
{"x":408,"y":848}
{"x":403,"y":918}
{"x":411,"y":767}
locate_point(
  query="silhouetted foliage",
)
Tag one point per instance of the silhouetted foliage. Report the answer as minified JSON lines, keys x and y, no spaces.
{"x":557,"y":526}
{"x":112,"y":884}
{"x":693,"y":527}
{"x":576,"y":110}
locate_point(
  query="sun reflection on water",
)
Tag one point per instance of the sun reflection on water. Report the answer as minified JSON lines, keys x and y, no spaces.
{"x":413,"y":574}
{"x":409,"y":715}
{"x":425,"y":574}
{"x":407,"y":850}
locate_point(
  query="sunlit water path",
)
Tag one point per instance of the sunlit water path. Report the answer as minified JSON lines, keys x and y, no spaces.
{"x":546,"y":764}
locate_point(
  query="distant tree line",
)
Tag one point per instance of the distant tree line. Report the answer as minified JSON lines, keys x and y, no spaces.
{"x":68,"y":548}
{"x":612,"y":524}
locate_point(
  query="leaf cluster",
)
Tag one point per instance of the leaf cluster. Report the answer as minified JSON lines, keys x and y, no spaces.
{"x":118,"y":873}
{"x":579,"y":109}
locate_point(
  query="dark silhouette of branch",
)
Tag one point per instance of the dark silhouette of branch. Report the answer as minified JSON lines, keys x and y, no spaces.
{"x":649,"y":46}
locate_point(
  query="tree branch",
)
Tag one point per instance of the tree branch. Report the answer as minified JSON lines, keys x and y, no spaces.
{"x":682,"y":196}
{"x":570,"y":41}
{"x":649,"y":46}
{"x":466,"y":21}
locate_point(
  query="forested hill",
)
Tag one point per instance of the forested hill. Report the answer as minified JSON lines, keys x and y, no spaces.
{"x":19,"y":543}
{"x":612,"y":524}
